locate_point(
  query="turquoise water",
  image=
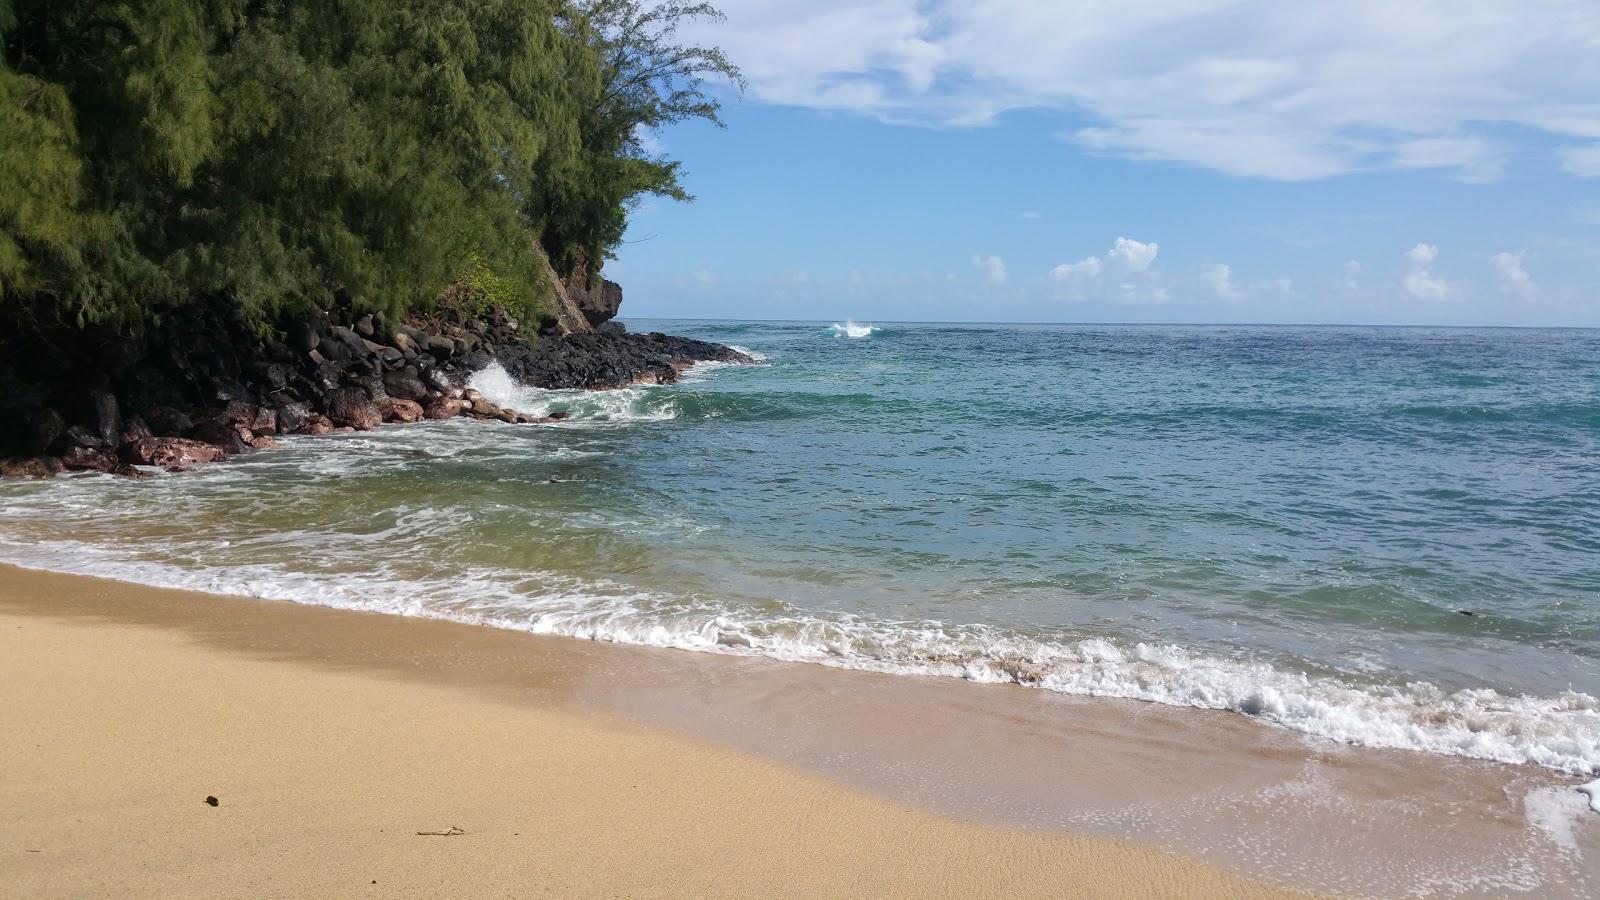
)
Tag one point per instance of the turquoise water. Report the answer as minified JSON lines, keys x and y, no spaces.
{"x":1285,"y":522}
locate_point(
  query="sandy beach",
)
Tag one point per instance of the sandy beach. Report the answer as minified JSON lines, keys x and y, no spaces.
{"x":333,"y":776}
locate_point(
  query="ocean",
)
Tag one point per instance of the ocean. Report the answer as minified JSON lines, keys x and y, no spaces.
{"x":1380,"y":536}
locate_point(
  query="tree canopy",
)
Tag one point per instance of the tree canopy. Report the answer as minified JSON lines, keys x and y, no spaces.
{"x":283,"y":155}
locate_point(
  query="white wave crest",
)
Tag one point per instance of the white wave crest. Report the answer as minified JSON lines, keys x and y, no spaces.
{"x":640,"y":403}
{"x":1560,"y":732}
{"x":852,"y":330}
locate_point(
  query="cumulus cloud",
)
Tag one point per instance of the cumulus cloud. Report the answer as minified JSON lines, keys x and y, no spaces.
{"x":1513,"y":277}
{"x":1220,"y":279}
{"x":1086,"y":269}
{"x":1420,"y":282}
{"x":1135,"y":255}
{"x":993,"y":269}
{"x":1250,"y":87}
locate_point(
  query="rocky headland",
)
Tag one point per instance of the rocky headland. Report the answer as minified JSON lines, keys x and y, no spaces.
{"x":200,"y":387}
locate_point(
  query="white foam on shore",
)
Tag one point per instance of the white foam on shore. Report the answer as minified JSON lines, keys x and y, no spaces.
{"x":1560,"y":732}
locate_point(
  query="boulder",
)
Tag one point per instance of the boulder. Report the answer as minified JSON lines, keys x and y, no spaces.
{"x":172,"y":452}
{"x":30,"y":467}
{"x":364,"y":326}
{"x":165,"y":421}
{"x":48,"y":431}
{"x":441,"y":346}
{"x":107,"y":416}
{"x":317,"y":424}
{"x":79,"y":436}
{"x":353,"y":408}
{"x":405,"y":345}
{"x":134,"y":430}
{"x":443,"y":406}
{"x":85,"y":459}
{"x":396,"y":409}
{"x":292,"y":416}
{"x":405,"y":384}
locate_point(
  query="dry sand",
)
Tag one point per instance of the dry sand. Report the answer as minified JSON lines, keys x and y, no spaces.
{"x":116,"y":727}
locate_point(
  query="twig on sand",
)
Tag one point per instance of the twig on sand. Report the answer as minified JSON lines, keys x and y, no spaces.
{"x":451,"y":832}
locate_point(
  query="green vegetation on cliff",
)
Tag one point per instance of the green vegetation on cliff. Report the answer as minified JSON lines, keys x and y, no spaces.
{"x":281,"y":155}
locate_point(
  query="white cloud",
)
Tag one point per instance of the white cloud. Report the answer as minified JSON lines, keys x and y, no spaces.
{"x":1513,"y":277}
{"x":649,"y":142}
{"x":1352,"y":275}
{"x":1250,"y":87}
{"x":1134,"y":254}
{"x":1583,"y":162}
{"x":1029,"y":215}
{"x":1086,"y":269}
{"x":993,"y":268}
{"x":1420,"y":282}
{"x":1220,"y":278}
{"x":705,"y":277}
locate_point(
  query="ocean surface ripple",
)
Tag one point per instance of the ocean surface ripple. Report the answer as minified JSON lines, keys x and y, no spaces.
{"x":1291,"y":523}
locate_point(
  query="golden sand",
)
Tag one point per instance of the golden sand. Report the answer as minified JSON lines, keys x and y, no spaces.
{"x":338,"y":778}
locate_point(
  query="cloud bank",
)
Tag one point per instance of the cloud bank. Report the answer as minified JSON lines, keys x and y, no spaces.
{"x":1247,"y":87}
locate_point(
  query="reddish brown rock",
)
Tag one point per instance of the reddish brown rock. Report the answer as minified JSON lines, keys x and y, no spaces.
{"x":171,"y":452}
{"x":396,"y":409}
{"x":442,"y":407}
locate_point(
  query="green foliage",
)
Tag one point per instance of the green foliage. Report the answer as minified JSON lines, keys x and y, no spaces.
{"x":284,"y":156}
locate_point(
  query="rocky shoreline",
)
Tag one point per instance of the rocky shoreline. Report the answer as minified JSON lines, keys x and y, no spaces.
{"x":200,"y":390}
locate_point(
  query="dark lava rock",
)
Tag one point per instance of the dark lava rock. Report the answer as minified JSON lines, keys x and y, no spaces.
{"x":608,"y":359}
{"x":30,"y":467}
{"x":350,"y":407}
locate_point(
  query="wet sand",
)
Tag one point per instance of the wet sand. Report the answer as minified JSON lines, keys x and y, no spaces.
{"x":331,"y":738}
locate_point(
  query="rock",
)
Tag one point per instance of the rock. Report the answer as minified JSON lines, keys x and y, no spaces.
{"x":85,"y":459}
{"x":441,"y":346}
{"x":347,"y":344}
{"x":128,"y":470}
{"x":395,"y":409}
{"x":264,"y":442}
{"x":364,"y":326}
{"x":168,"y":422}
{"x":317,"y":424}
{"x":353,"y":408}
{"x":303,"y":336}
{"x":79,"y":436}
{"x":30,"y":467}
{"x":374,"y":346}
{"x":134,"y":430}
{"x":172,"y":452}
{"x":405,"y":384}
{"x":48,"y":432}
{"x":292,"y":416}
{"x":405,"y":344}
{"x":442,"y":407}
{"x":438,"y":380}
{"x":598,"y":302}
{"x":107,"y":416}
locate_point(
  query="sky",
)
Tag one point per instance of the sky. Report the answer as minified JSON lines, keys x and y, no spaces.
{"x":1360,"y":161}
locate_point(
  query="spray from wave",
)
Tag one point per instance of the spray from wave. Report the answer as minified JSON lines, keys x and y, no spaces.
{"x":851,"y":330}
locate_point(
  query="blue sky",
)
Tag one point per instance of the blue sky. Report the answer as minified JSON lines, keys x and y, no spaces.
{"x":996,"y":160}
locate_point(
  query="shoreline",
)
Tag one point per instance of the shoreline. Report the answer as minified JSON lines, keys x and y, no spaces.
{"x":1200,"y":784}
{"x":335,"y":773}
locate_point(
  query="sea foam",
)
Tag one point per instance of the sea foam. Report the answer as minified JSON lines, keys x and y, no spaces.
{"x":852,"y":330}
{"x":1560,"y":732}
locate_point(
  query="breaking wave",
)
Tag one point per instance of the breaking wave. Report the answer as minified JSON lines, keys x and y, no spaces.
{"x":852,"y":330}
{"x":1560,"y":732}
